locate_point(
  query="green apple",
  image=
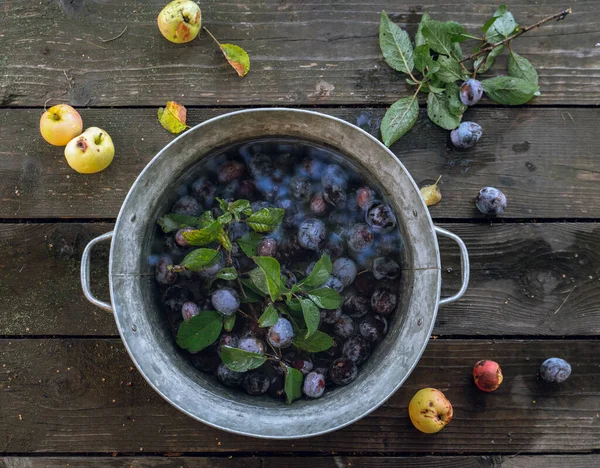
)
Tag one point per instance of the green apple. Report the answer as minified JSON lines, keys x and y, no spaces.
{"x":180,"y":21}
{"x":90,"y":152}
{"x":430,"y":410}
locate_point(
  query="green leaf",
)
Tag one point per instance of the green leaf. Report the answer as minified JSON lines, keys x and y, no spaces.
{"x":326,"y":298}
{"x":229,"y":274}
{"x":225,"y":218}
{"x":499,"y":12}
{"x":508,"y":90}
{"x":434,"y":89}
{"x":395,"y":45}
{"x":501,"y":28}
{"x":315,"y":343}
{"x":320,"y":272}
{"x":399,"y":119}
{"x":240,"y":206}
{"x":455,"y":105}
{"x":224,"y":240}
{"x":172,"y":117}
{"x":294,"y":305}
{"x":265,"y":220}
{"x":204,"y":236}
{"x":423,"y":61}
{"x":272,"y":273}
{"x":200,"y":331}
{"x":449,"y":70}
{"x":259,"y":281}
{"x":249,"y":242}
{"x":237,"y":57}
{"x":239,"y":360}
{"x":419,"y":39}
{"x":438,"y":110}
{"x":199,"y":259}
{"x":520,"y":67}
{"x":173,"y":222}
{"x":311,"y":314}
{"x":229,"y":322}
{"x":223,"y":205}
{"x":438,"y":35}
{"x":489,"y":59}
{"x":293,"y":384}
{"x":457,"y":51}
{"x":269,"y":317}
{"x":251,"y":293}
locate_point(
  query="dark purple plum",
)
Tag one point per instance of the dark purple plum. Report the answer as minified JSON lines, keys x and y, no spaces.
{"x":301,"y":189}
{"x":162,"y":271}
{"x":357,"y":349}
{"x":373,"y":327}
{"x":312,"y":234}
{"x":344,"y":327}
{"x":187,"y":206}
{"x":228,"y":377}
{"x":231,"y":170}
{"x":385,"y":268}
{"x":345,"y":269}
{"x":356,"y":306}
{"x":330,"y":316}
{"x":383,"y":301}
{"x":261,"y":165}
{"x":343,"y":371}
{"x":267,"y":247}
{"x":381,"y":218}
{"x":256,"y":383}
{"x":360,"y":237}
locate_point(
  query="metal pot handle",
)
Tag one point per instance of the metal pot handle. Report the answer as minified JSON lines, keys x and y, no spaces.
{"x":464,"y":264}
{"x":85,"y":272}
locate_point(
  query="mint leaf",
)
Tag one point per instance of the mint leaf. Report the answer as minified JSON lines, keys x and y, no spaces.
{"x":455,"y":105}
{"x":173,"y":221}
{"x":200,"y":331}
{"x":399,"y":119}
{"x":239,"y":360}
{"x":204,"y":236}
{"x":249,"y":242}
{"x":320,"y":272}
{"x":229,"y":274}
{"x":424,"y":61}
{"x":229,"y":322}
{"x":199,"y":259}
{"x":395,"y":45}
{"x":520,"y":67}
{"x":419,"y":38}
{"x":326,"y":298}
{"x":269,"y":317}
{"x":315,"y":343}
{"x":439,"y":35}
{"x":449,"y":69}
{"x":508,"y":90}
{"x":311,"y":314}
{"x":438,"y":110}
{"x":272,"y":272}
{"x":265,"y":220}
{"x":293,"y":384}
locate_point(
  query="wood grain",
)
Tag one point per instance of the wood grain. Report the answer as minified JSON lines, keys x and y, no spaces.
{"x":336,"y":461}
{"x":76,"y":396}
{"x":307,"y":52}
{"x":545,"y":163}
{"x":526,"y":279}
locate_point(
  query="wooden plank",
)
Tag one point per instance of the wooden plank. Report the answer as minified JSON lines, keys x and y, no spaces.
{"x":301,"y":52}
{"x":526,"y":279}
{"x":77,"y":396}
{"x":544,"y":162}
{"x":337,"y":461}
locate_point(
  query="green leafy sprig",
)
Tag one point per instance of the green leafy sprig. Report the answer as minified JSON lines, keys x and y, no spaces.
{"x":435,"y":63}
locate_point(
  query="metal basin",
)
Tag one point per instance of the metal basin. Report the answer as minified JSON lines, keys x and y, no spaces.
{"x":149,"y":343}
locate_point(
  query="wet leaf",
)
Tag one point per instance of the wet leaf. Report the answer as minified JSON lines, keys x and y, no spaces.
{"x":395,"y":45}
{"x":320,"y":272}
{"x":424,"y":61}
{"x":419,"y":38}
{"x":200,"y":331}
{"x":311,"y":314}
{"x":449,"y":69}
{"x":439,"y":35}
{"x":455,"y":105}
{"x":438,"y":110}
{"x":293,"y":384}
{"x":199,"y":259}
{"x":269,"y":317}
{"x":173,"y":117}
{"x":265,"y":220}
{"x":509,"y":90}
{"x":399,"y":119}
{"x":315,"y":343}
{"x":248,"y":243}
{"x":272,"y":274}
{"x":204,"y":236}
{"x":502,"y":27}
{"x":228,"y":274}
{"x":239,"y":360}
{"x":431,"y":193}
{"x":229,"y":322}
{"x":326,"y":298}
{"x":520,"y":67}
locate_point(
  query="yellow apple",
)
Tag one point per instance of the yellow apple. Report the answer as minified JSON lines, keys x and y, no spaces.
{"x":60,"y":124}
{"x":430,"y":410}
{"x":90,"y":152}
{"x":180,"y":21}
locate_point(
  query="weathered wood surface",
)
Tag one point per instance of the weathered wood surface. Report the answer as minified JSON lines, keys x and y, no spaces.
{"x":76,"y":396}
{"x":526,"y":279}
{"x":307,"y":52}
{"x":545,"y":160}
{"x":335,"y":461}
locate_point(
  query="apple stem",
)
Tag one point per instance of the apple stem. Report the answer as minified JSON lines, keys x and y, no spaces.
{"x":98,"y":139}
{"x":213,"y":37}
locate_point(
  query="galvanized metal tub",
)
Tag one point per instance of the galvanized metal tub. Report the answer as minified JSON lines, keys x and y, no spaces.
{"x":151,"y":347}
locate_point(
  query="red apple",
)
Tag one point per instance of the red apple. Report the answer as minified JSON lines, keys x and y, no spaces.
{"x":60,"y":124}
{"x":487,"y":375}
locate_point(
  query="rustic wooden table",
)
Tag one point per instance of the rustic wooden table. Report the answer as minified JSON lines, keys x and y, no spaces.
{"x":69,"y":395}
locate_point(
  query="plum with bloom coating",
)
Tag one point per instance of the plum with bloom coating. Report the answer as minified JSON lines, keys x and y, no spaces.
{"x":471,"y":92}
{"x":314,"y":385}
{"x":228,"y":377}
{"x":490,"y":201}
{"x":312,"y":234}
{"x":466,"y":135}
{"x":281,"y":334}
{"x":360,"y":237}
{"x":226,"y":301}
{"x":345,"y":269}
{"x":555,"y":370}
{"x":189,"y":309}
{"x":381,"y":218}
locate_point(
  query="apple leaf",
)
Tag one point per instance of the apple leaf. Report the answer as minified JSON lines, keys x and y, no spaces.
{"x":173,"y":117}
{"x":236,"y":56}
